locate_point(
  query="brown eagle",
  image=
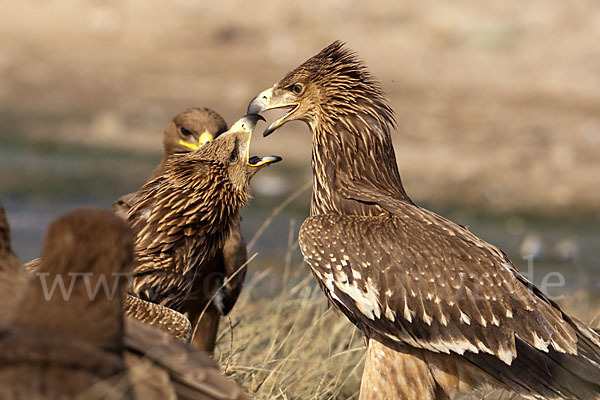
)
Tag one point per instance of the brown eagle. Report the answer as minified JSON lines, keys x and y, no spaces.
{"x":12,"y":274}
{"x":69,"y":342}
{"x":183,"y":217}
{"x":442,"y":310}
{"x":187,"y":132}
{"x":58,"y":347}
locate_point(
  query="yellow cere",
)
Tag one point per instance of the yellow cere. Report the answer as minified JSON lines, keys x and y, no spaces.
{"x":205,"y":137}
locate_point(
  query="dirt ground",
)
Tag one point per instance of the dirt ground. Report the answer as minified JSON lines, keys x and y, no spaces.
{"x":497,"y":102}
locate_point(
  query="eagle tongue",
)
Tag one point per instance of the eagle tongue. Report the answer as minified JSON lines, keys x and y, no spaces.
{"x":254,"y":160}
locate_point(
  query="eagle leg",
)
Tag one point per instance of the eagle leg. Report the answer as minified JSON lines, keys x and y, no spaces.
{"x":391,"y":374}
{"x":415,"y":374}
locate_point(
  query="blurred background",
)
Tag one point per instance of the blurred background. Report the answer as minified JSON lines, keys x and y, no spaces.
{"x":497,"y":103}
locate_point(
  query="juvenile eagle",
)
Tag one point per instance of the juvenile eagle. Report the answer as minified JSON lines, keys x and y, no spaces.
{"x":442,"y":310}
{"x":70,"y":343}
{"x":187,"y":132}
{"x":183,"y":217}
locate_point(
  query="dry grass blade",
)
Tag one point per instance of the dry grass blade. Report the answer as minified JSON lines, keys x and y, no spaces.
{"x":276,"y":211}
{"x":225,"y":282}
{"x":290,"y":345}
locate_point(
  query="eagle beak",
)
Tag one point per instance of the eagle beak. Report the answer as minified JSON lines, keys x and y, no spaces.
{"x":189,"y":145}
{"x":204,"y":138}
{"x":256,"y":161}
{"x":265,"y":101}
{"x":246,"y":124}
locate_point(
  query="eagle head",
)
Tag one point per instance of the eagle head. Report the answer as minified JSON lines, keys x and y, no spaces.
{"x":192,"y":129}
{"x":229,"y":154}
{"x":332,"y":84}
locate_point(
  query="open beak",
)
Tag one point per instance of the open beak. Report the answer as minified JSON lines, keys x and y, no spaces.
{"x":256,"y":161}
{"x":264,"y":101}
{"x":246,"y":124}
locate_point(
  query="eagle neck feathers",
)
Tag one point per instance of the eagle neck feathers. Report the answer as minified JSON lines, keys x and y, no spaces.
{"x":353,"y":152}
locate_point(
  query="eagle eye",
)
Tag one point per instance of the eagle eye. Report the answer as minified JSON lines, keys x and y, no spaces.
{"x":185,"y":132}
{"x":297,"y":88}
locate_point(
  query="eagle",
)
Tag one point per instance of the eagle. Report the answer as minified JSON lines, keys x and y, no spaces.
{"x":12,"y":275}
{"x":442,"y":311}
{"x":78,"y":343}
{"x":182,"y":219}
{"x":187,"y":132}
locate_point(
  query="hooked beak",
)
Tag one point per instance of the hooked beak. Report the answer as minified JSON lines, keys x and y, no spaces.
{"x":189,"y":145}
{"x":264,"y":101}
{"x":246,"y":124}
{"x":256,"y":161}
{"x":204,"y":138}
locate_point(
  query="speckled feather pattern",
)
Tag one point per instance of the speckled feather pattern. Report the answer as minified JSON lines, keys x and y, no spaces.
{"x":410,"y":279}
{"x":454,"y":295}
{"x":165,"y":318}
{"x":181,"y":218}
{"x":188,"y":127}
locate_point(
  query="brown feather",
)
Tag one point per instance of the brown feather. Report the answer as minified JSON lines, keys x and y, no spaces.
{"x":82,"y":340}
{"x":187,"y":224}
{"x":47,"y":352}
{"x":228,"y":259}
{"x":404,"y":275}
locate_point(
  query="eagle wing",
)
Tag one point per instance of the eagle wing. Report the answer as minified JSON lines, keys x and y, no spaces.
{"x":164,"y":272}
{"x":193,"y":374}
{"x":235,"y":257}
{"x":411,"y":277}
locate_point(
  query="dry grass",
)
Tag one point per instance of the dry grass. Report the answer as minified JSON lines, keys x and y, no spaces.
{"x":283,"y":342}
{"x":290,"y":345}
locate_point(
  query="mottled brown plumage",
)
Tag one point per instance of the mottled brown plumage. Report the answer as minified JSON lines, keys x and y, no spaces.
{"x":61,"y":342}
{"x":183,"y":217}
{"x":12,"y":276}
{"x":57,"y":348}
{"x":174,"y":323}
{"x":433,"y":300}
{"x":187,"y":132}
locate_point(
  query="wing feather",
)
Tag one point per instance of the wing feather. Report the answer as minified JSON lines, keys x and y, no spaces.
{"x":437,"y":275}
{"x":415,"y":278}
